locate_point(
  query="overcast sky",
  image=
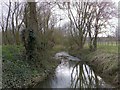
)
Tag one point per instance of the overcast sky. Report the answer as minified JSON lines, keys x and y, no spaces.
{"x":60,"y":12}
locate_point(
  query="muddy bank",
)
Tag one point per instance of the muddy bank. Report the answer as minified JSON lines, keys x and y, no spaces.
{"x":72,"y":73}
{"x":106,"y":66}
{"x":38,"y":79}
{"x":103,"y":63}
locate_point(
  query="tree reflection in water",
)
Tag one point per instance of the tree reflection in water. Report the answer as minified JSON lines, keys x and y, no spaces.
{"x":73,"y":74}
{"x":83,"y":76}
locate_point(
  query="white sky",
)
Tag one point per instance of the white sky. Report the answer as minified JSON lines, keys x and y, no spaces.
{"x":61,"y":12}
{"x":109,"y":30}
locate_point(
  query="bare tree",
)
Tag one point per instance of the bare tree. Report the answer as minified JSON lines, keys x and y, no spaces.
{"x":103,"y":12}
{"x":14,"y":20}
{"x":7,"y":21}
{"x":79,"y":32}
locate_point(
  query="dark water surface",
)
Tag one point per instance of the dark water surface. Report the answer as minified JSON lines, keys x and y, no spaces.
{"x":72,"y":73}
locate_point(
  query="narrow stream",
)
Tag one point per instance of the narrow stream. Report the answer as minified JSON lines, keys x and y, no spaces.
{"x":72,"y":73}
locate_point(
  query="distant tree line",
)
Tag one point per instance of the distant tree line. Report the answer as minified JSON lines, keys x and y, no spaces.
{"x":86,"y":19}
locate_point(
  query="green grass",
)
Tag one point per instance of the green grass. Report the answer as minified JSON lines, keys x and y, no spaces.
{"x":108,"y":48}
{"x":0,"y":51}
{"x":18,"y":73}
{"x":104,"y":61}
{"x":16,"y":70}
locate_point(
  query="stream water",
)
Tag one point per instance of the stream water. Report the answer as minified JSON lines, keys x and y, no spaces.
{"x":72,"y":73}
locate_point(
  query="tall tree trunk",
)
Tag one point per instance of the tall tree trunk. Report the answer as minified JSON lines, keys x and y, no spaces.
{"x":33,"y":24}
{"x":13,"y":28}
{"x":32,"y":34}
{"x":95,"y":38}
{"x":6,"y":28}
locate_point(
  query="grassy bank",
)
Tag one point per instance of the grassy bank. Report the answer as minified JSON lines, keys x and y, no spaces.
{"x":104,"y":62}
{"x":18,"y":73}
